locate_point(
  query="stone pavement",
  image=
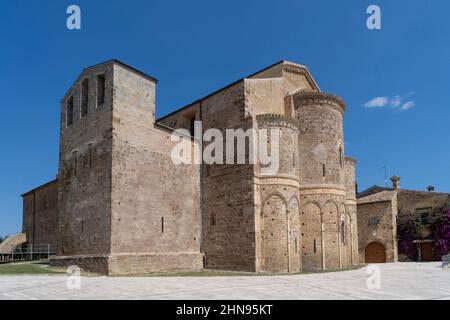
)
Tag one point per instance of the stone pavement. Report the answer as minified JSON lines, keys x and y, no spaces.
{"x":398,"y":281}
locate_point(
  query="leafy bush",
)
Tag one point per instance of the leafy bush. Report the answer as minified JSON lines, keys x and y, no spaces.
{"x":441,"y":233}
{"x":408,"y":231}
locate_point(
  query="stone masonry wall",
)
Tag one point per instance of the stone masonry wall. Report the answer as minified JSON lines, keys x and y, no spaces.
{"x":323,"y":194}
{"x":84,"y":208}
{"x":40,"y":215}
{"x":410,"y":202}
{"x":278,"y":230}
{"x":228,"y":195}
{"x":156,"y":221}
{"x":352,"y":219}
{"x":321,"y":143}
{"x":383,"y":209}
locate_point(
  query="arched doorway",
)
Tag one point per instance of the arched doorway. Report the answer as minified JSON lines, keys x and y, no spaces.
{"x":375,"y":253}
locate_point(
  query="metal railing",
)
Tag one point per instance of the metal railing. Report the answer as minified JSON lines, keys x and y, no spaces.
{"x":446,"y":261}
{"x":30,"y":252}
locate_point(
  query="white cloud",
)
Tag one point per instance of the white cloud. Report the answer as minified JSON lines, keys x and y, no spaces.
{"x":393,"y":102}
{"x":408,"y":105}
{"x":377,"y":102}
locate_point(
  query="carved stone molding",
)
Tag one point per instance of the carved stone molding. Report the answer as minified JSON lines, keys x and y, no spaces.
{"x":306,"y":98}
{"x":277,"y":120}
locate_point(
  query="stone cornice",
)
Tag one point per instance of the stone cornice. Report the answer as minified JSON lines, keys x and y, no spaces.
{"x":277,"y":120}
{"x":323,"y":189}
{"x":278,"y":180}
{"x":308,"y":97}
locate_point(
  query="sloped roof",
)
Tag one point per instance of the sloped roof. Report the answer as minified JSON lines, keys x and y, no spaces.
{"x":383,"y":196}
{"x":45,"y":185}
{"x":372,"y":190}
{"x":377,"y":189}
{"x":253,"y":75}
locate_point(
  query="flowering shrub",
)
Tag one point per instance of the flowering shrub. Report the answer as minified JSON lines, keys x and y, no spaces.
{"x":408,"y":231}
{"x":441,"y":233}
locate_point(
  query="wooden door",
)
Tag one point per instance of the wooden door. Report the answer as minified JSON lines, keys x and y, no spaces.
{"x":375,"y":253}
{"x":427,"y":251}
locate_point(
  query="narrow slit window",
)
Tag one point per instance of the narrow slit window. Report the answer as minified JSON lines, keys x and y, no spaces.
{"x":315,"y":246}
{"x":84,"y":97}
{"x":69,"y":112}
{"x":100,"y":90}
{"x":324,"y":170}
{"x":162,"y":225}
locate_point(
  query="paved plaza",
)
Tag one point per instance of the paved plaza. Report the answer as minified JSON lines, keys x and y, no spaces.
{"x":398,"y":281}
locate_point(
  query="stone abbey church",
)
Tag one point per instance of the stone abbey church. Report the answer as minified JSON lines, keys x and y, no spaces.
{"x":120,"y":205}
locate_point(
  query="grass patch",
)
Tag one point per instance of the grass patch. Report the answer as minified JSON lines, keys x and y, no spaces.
{"x":42,"y":268}
{"x":28,"y":268}
{"x":219,"y":273}
{"x":202,"y":273}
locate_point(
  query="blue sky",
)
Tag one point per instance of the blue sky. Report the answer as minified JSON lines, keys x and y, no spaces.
{"x":195,"y":47}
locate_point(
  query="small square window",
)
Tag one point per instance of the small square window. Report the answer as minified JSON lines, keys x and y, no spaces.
{"x":374,"y":221}
{"x":425,"y":217}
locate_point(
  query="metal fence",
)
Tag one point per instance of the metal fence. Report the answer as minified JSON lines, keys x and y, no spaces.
{"x":29,"y":252}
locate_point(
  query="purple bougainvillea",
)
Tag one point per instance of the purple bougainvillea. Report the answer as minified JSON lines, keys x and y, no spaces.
{"x":407,"y":231}
{"x":441,"y":233}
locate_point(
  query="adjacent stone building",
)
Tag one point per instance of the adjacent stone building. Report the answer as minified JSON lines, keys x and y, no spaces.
{"x":379,"y":208}
{"x":40,"y":215}
{"x":121,"y":206}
